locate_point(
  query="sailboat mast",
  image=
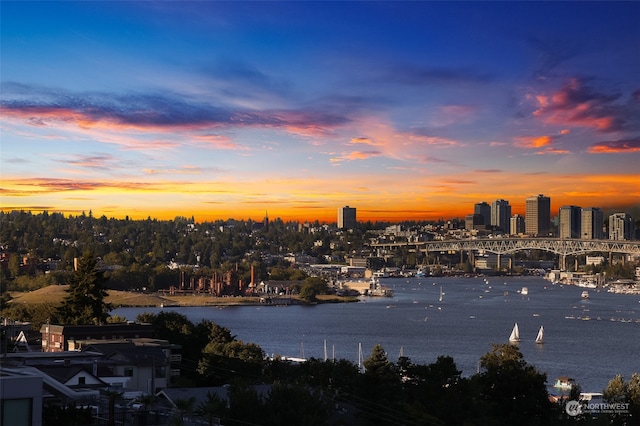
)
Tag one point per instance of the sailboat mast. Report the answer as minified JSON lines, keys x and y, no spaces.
{"x":325,"y":349}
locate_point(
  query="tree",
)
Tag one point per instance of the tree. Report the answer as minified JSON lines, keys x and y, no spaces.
{"x":85,"y":302}
{"x":377,"y":363}
{"x":619,"y":391}
{"x":14,"y":265}
{"x":212,"y":407}
{"x":288,"y":405}
{"x":513,"y":391}
{"x":311,"y":287}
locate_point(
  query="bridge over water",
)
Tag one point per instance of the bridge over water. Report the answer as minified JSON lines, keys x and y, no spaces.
{"x":500,"y":246}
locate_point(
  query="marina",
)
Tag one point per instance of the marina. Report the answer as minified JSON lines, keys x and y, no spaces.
{"x":590,"y":340}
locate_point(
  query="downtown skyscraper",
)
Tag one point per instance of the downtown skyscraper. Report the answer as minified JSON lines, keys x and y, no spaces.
{"x":501,"y":215}
{"x":346,"y":217}
{"x":591,"y":223}
{"x":538,"y":215}
{"x":570,"y":225}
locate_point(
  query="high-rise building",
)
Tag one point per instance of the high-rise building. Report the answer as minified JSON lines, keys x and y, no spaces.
{"x":483,"y":209}
{"x":473,"y":221}
{"x":570,"y":222}
{"x":592,"y":221}
{"x":621,"y":226}
{"x":346,"y":217}
{"x":538,"y":215}
{"x":500,"y":215}
{"x":517,"y":225}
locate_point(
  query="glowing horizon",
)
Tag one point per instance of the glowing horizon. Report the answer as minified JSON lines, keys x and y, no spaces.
{"x":223,"y":110}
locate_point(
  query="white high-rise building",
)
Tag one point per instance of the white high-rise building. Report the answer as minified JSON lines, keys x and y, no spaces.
{"x":517,"y":225}
{"x":621,"y":226}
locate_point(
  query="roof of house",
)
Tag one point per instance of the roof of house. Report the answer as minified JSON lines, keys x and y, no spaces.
{"x":200,"y":394}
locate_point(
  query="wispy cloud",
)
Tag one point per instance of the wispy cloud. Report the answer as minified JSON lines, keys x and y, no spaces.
{"x":38,"y":106}
{"x":418,"y":75}
{"x":617,"y":146}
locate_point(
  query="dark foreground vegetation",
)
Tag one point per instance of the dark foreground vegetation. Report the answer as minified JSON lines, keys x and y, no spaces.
{"x":506,"y":390}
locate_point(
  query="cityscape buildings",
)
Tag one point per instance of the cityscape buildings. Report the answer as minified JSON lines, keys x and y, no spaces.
{"x":500,"y":215}
{"x":591,"y":223}
{"x":346,"y":217}
{"x":484,"y":210}
{"x":621,"y":226}
{"x":570,"y":222}
{"x":538,"y":215}
{"x":516,"y":225}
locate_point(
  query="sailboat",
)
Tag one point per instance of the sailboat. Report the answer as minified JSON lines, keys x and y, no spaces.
{"x":441,"y":294}
{"x":540,"y":336}
{"x":515,"y":334}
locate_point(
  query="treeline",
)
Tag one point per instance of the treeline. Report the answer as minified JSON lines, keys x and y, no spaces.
{"x":506,"y":391}
{"x":137,"y":251}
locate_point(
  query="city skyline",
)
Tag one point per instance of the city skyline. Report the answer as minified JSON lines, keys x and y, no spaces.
{"x":404,"y":110}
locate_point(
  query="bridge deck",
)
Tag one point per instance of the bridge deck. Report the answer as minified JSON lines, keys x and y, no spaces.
{"x":510,"y":245}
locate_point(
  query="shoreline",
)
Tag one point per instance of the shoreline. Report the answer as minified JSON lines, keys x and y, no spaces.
{"x":127,"y":299}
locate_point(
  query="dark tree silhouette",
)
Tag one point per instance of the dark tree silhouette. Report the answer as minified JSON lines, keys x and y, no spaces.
{"x":85,"y":302}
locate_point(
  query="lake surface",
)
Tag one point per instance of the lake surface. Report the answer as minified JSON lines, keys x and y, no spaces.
{"x":590,"y":340}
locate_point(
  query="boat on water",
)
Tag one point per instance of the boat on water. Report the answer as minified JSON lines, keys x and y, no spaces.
{"x":515,"y":334}
{"x":524,"y":291}
{"x":585,"y":294}
{"x":540,"y":336}
{"x":441,"y":294}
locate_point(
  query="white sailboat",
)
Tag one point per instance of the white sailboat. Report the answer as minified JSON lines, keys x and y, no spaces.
{"x":540,"y":336}
{"x":515,"y":334}
{"x":441,"y":294}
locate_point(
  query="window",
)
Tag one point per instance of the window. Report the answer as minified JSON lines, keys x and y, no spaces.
{"x":82,"y":380}
{"x":17,"y":412}
{"x":128,"y":371}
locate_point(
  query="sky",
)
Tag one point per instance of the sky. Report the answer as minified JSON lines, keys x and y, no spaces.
{"x":403,"y":110}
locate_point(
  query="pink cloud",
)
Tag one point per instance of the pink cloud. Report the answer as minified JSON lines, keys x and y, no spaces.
{"x":577,"y":104}
{"x":614,"y":147}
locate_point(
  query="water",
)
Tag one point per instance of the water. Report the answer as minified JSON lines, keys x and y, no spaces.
{"x":589,"y":340}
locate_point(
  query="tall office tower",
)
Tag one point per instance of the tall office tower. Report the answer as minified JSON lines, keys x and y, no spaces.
{"x":500,"y":215}
{"x":570,"y":222}
{"x":346,"y":217}
{"x":592,"y":221}
{"x":517,"y":225}
{"x":621,"y":226}
{"x":484,"y":210}
{"x":537,"y":215}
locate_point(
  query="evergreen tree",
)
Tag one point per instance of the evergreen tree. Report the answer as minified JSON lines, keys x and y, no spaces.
{"x":85,"y":302}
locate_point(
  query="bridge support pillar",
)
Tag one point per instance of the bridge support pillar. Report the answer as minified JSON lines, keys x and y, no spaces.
{"x":499,"y":264}
{"x":563,"y":262}
{"x":576,"y":265}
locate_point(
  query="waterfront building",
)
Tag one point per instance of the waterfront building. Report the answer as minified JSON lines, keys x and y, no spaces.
{"x":570,"y":222}
{"x":591,"y":223}
{"x":346,"y":217}
{"x":538,"y":215}
{"x":517,"y":225}
{"x":500,"y":215}
{"x":484,"y":210}
{"x":621,"y":226}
